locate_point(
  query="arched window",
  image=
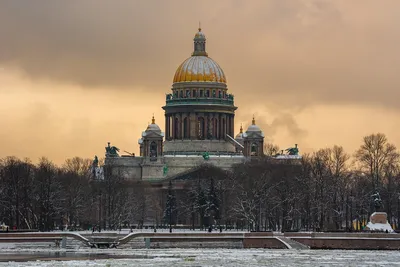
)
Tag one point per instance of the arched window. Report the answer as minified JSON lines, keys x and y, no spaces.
{"x":216,"y":131}
{"x":186,"y":128}
{"x":153,"y":151}
{"x":254,"y":149}
{"x":200,"y":128}
{"x":181,"y":93}
{"x":194,"y":93}
{"x":214,"y":128}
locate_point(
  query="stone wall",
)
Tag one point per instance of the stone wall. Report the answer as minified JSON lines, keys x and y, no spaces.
{"x":129,"y":167}
{"x":138,"y":168}
{"x":350,"y":243}
{"x":198,"y":146}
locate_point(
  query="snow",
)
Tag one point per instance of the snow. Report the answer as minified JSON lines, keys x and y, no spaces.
{"x":220,"y":257}
{"x":379,"y":227}
{"x":288,"y":157}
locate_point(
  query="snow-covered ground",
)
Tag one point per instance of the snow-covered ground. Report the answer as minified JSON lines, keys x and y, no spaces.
{"x":220,"y":257}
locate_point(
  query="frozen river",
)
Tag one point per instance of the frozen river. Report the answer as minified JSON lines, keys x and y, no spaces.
{"x":199,"y":257}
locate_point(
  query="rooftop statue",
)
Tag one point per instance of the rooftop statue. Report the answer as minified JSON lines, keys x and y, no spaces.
{"x":377,"y":201}
{"x":206,"y":155}
{"x":95,"y":161}
{"x":293,"y":150}
{"x":111,"y":151}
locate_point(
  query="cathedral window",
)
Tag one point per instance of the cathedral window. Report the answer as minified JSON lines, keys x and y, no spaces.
{"x":219,"y":94}
{"x":207,"y":93}
{"x":185,"y":128}
{"x":194,"y":93}
{"x":200,"y":128}
{"x":201,"y":93}
{"x":181,"y":94}
{"x":176,"y":129}
{"x":153,"y":151}
{"x":254,"y":149}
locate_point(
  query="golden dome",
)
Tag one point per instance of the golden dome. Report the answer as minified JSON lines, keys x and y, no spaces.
{"x":199,"y":69}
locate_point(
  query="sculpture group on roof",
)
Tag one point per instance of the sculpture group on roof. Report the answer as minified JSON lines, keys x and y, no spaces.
{"x":111,"y":151}
{"x":291,"y":151}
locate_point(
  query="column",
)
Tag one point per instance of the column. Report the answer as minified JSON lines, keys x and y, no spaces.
{"x":224,"y":127}
{"x":219,"y":126}
{"x":228,"y":124}
{"x":233,"y":125}
{"x":166,"y":126}
{"x":212,"y":125}
{"x":193,"y":121}
{"x":181,"y":125}
{"x":206,"y":125}
{"x":173,"y":126}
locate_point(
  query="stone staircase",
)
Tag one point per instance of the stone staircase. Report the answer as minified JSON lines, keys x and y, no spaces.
{"x":292,"y":243}
{"x":137,"y":242}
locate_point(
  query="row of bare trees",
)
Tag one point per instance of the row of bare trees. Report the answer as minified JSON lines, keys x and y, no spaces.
{"x":325,"y":190}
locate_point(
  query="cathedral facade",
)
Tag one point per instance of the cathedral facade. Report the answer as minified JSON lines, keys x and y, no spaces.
{"x":199,"y":126}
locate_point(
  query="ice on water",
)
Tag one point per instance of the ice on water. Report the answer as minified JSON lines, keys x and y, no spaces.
{"x":230,"y":257}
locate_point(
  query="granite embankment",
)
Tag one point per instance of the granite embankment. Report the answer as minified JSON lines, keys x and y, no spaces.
{"x":267,"y":240}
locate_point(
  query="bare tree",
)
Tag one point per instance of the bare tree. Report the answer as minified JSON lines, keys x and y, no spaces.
{"x":47,"y":189}
{"x":270,"y":149}
{"x":374,"y":155}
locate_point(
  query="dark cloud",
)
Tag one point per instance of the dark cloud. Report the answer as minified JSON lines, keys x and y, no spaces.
{"x":298,"y":52}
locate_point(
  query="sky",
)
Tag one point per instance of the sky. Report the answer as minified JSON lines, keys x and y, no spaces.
{"x":77,"y":74}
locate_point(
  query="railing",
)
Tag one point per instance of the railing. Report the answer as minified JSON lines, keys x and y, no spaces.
{"x":205,"y":100}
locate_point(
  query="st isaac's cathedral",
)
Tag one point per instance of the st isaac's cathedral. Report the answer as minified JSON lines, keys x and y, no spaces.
{"x":199,"y":127}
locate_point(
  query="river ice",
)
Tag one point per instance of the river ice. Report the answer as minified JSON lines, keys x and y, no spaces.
{"x":220,"y":257}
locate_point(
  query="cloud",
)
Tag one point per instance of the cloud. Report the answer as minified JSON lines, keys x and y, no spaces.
{"x":304,"y":51}
{"x":76,"y":74}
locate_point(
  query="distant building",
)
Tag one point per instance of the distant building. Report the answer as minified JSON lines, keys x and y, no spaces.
{"x":199,"y":127}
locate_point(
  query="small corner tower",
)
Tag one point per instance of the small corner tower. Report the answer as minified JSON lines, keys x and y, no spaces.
{"x":151,"y":143}
{"x":253,"y":141}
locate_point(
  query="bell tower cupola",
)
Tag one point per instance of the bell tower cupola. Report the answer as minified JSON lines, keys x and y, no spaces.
{"x":199,"y":44}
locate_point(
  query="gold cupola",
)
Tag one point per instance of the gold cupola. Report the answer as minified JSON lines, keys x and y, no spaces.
{"x":199,"y":67}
